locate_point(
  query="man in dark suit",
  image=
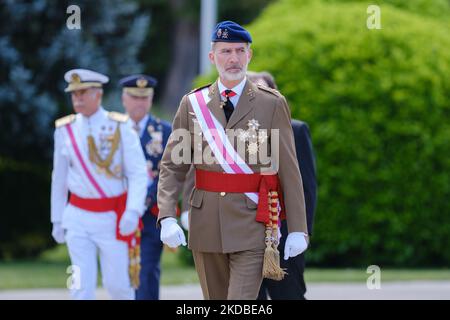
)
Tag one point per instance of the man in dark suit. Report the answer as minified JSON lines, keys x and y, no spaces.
{"x":293,"y":285}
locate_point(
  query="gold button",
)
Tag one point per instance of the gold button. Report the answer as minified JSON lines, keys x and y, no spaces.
{"x":223,"y":194}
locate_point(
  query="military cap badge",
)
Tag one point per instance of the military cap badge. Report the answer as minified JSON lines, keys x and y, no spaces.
{"x":225,"y":34}
{"x":75,"y":78}
{"x":141,"y":83}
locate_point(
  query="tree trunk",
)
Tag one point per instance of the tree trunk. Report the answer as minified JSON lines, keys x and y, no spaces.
{"x":184,"y":66}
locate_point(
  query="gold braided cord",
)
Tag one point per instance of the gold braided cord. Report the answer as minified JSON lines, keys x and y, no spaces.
{"x":134,"y":255}
{"x":271,"y":264}
{"x":94,"y":156}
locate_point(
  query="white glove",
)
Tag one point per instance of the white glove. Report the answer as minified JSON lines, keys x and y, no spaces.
{"x":184,"y":219}
{"x":58,"y":233}
{"x":171,"y":233}
{"x":295,"y":244}
{"x":129,"y":222}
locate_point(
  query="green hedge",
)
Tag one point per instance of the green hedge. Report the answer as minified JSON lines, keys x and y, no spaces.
{"x":378,"y":105}
{"x":435,"y":8}
{"x":25,"y":229}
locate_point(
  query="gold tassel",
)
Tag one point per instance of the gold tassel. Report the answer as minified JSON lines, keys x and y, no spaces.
{"x":134,"y":254}
{"x":271,"y":265}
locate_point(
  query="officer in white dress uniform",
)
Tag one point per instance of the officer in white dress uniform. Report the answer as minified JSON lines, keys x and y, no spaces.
{"x":98,"y":159}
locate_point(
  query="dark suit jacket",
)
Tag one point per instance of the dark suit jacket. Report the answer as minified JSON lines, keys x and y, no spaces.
{"x":306,"y":162}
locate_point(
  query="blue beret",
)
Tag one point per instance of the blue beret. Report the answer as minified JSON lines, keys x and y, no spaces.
{"x":138,"y":85}
{"x":229,"y":31}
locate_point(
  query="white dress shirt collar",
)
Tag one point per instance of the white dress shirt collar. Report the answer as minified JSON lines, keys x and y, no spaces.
{"x":97,"y":116}
{"x":236,"y":89}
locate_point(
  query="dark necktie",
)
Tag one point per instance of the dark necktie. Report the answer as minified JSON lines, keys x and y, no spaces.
{"x":228,"y":107}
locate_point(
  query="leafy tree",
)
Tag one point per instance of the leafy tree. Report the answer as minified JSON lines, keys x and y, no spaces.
{"x":36,"y":49}
{"x":377,"y":103}
{"x":171,"y":50}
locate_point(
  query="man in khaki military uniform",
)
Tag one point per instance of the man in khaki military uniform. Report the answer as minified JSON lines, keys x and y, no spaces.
{"x":229,"y":215}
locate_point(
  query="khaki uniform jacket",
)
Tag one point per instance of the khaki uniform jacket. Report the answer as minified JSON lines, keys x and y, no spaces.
{"x":221,"y":222}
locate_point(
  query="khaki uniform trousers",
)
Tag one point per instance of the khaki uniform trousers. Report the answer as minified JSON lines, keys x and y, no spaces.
{"x":230,"y":276}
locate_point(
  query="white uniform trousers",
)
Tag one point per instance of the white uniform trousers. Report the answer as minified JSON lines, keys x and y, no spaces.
{"x":84,"y":241}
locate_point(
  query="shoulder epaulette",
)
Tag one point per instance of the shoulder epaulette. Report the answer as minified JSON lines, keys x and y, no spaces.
{"x":117,"y":116}
{"x":65,"y":120}
{"x":200,"y":88}
{"x":270,"y":90}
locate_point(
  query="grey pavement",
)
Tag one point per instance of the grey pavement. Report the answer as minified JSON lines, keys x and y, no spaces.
{"x":405,"y":290}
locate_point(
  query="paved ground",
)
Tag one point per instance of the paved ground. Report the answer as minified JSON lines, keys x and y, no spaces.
{"x":420,"y":290}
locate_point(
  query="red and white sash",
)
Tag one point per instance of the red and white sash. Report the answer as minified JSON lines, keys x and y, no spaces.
{"x":214,"y":133}
{"x":104,"y":203}
{"x":79,"y":156}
